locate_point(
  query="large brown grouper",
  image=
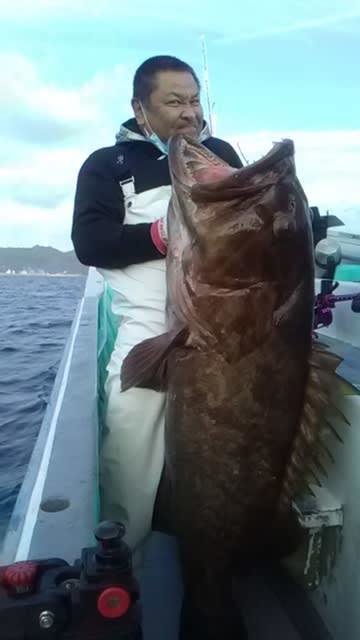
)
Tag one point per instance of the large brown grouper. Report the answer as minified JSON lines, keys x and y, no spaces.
{"x":245,"y":384}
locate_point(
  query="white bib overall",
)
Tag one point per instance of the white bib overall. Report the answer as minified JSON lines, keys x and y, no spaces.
{"x":132,"y":452}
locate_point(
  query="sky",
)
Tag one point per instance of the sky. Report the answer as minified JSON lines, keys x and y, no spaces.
{"x":276,"y":70}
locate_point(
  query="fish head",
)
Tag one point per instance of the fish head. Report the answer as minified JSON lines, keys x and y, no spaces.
{"x":191,"y":163}
{"x":244,"y":225}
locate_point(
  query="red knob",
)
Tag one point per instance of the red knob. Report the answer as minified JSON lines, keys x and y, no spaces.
{"x":114,"y":602}
{"x":20,"y":576}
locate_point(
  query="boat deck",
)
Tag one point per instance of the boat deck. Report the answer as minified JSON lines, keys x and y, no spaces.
{"x":349,"y":369}
{"x":64,"y":465}
{"x":272,"y":605}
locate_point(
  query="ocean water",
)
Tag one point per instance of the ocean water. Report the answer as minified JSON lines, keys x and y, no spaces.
{"x":35,"y":319}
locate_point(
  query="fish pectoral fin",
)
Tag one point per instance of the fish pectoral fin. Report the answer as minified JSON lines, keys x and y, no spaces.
{"x":145,"y":365}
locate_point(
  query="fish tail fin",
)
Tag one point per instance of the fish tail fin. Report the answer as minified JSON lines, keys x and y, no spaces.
{"x":309,"y":454}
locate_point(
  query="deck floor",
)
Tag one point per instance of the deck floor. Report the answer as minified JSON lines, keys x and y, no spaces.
{"x":349,"y":368}
{"x":274,"y":608}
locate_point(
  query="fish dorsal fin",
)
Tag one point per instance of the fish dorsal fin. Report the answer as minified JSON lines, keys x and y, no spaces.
{"x":310,"y":454}
{"x":145,"y":365}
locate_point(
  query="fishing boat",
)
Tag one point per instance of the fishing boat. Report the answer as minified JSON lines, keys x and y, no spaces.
{"x":350,"y":249}
{"x":314,"y":594}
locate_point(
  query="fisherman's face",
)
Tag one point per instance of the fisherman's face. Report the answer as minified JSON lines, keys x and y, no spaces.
{"x":173,"y":106}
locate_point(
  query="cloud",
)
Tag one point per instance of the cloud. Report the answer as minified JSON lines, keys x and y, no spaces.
{"x":41,"y":177}
{"x":45,"y":196}
{"x":34,"y":112}
{"x":47,"y":132}
{"x":38,"y":113}
{"x":45,"y":177}
{"x":37,"y":195}
{"x":26,"y":225}
{"x":327,"y":165}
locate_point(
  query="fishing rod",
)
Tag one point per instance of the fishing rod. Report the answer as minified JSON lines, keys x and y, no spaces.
{"x":210,"y":105}
{"x":242,"y":153}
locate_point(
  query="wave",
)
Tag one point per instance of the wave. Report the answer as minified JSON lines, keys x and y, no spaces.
{"x":33,"y":333}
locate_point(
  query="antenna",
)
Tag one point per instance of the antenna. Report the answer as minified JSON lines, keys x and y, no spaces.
{"x":207,"y":85}
{"x":242,"y":154}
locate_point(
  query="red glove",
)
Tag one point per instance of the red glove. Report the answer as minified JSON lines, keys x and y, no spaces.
{"x":158,"y":231}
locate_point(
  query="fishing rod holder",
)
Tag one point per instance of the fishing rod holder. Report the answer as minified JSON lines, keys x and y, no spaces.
{"x":96,"y":597}
{"x":326,"y":301}
{"x":328,"y":257}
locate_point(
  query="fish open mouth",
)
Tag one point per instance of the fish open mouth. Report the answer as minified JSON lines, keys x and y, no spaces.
{"x":201,"y":165}
{"x":206,"y":178}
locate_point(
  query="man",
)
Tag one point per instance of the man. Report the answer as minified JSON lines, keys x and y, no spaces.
{"x":119,"y":226}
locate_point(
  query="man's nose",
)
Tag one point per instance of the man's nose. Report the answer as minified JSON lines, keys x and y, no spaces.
{"x":188,"y":113}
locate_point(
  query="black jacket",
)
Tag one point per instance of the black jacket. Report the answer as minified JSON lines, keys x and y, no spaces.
{"x":99,"y":235}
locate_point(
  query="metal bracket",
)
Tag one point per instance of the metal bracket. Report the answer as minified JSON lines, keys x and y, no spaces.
{"x":322,"y":517}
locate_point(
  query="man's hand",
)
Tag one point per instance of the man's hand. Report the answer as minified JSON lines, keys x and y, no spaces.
{"x":159,"y":234}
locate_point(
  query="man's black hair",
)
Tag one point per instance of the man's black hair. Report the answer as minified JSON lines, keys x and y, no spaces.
{"x":145,"y":76}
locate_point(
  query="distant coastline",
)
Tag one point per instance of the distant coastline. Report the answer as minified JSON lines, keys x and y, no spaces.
{"x":37,"y":274}
{"x":39,"y":261}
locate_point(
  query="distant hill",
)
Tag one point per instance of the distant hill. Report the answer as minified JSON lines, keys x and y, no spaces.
{"x":40,"y":260}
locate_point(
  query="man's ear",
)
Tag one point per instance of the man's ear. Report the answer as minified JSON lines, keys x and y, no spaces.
{"x":138,"y":112}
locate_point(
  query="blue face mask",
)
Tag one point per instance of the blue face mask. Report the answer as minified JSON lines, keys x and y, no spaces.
{"x":153,"y":137}
{"x":163,"y":146}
